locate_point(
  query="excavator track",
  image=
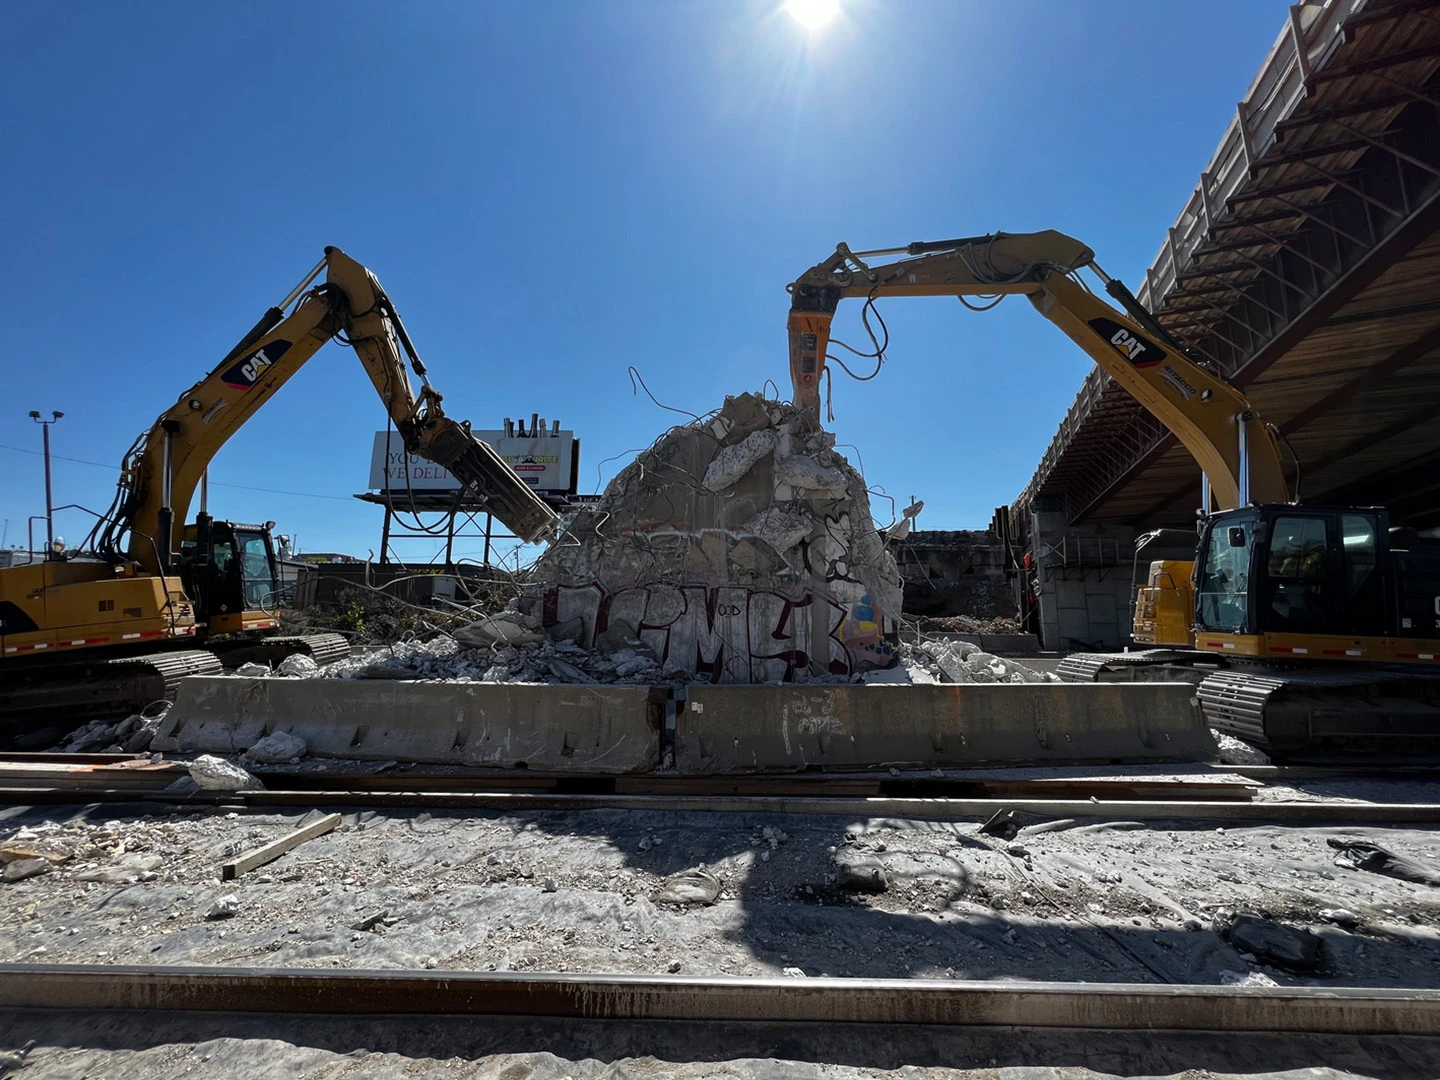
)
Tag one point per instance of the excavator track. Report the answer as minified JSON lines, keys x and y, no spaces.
{"x":322,"y":648}
{"x":1288,"y":710}
{"x":40,"y":703}
{"x":1145,"y":666}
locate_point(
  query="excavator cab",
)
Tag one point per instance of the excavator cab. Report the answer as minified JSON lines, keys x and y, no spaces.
{"x":1282,"y":572}
{"x":229,"y":570}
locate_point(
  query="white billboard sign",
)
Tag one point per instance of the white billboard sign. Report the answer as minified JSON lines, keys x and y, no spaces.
{"x":545,"y":463}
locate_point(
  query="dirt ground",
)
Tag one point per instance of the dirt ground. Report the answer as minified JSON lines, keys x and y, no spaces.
{"x":575,"y":891}
{"x":154,"y":1046}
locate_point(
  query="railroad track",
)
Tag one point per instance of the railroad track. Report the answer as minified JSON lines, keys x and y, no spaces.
{"x":924,"y":809}
{"x":1092,"y":1006}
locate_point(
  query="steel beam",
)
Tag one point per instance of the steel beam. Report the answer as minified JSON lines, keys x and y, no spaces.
{"x":1092,"y":1006}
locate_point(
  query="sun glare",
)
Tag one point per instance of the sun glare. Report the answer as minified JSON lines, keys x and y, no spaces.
{"x":813,"y":15}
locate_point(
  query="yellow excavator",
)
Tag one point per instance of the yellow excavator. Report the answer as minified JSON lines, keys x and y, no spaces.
{"x":1302,"y":626}
{"x":151,"y":599}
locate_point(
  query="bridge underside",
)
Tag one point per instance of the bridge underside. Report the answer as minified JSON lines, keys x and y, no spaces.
{"x":1306,"y":266}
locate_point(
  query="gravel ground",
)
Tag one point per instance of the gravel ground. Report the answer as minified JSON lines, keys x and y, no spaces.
{"x":153,"y":1046}
{"x":576,"y":891}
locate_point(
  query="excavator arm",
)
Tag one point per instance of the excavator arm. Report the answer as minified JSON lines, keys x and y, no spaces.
{"x":162,"y":470}
{"x":1238,"y":451}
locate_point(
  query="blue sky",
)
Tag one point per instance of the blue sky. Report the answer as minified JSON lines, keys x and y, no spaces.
{"x":554,"y":191}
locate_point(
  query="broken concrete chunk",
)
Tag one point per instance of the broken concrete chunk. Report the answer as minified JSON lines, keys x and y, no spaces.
{"x":370,"y":921}
{"x":859,"y":871}
{"x":1340,"y":917}
{"x":810,"y":478}
{"x":733,"y":462}
{"x":127,"y":868}
{"x":298,"y":666}
{"x":504,"y":628}
{"x":224,"y":908}
{"x":1284,"y":946}
{"x":277,"y":747}
{"x":690,"y":887}
{"x":216,"y":774}
{"x":569,"y":672}
{"x":780,"y":528}
{"x":252,"y":671}
{"x":21,"y":869}
{"x":1235,"y":751}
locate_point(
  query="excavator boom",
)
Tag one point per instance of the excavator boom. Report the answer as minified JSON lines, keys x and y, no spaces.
{"x":1238,"y":452}
{"x":163,"y":469}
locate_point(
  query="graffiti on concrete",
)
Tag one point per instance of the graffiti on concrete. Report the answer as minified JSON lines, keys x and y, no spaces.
{"x":732,"y":634}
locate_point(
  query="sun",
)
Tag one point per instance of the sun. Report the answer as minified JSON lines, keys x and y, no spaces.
{"x":813,"y":15}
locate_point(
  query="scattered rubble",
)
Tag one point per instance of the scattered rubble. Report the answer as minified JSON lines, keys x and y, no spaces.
{"x":860,"y":871}
{"x":279,"y":747}
{"x":298,"y":666}
{"x":216,"y":774}
{"x":690,"y":887}
{"x":21,"y":869}
{"x":1235,"y":751}
{"x":1284,"y":946}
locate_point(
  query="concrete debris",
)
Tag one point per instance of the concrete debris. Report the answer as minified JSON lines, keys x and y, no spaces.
{"x":370,"y":922}
{"x":691,"y":887}
{"x":780,"y":528}
{"x":737,"y":549}
{"x":1340,"y":917}
{"x":216,"y":774}
{"x":21,"y":869}
{"x":126,"y":870}
{"x":735,"y":461}
{"x":964,"y":662}
{"x":503,"y":628}
{"x":298,"y":666}
{"x":1235,"y":751}
{"x":1246,"y":978}
{"x":1275,"y":943}
{"x":276,"y":748}
{"x":227,"y":907}
{"x":253,"y":670}
{"x":860,"y":871}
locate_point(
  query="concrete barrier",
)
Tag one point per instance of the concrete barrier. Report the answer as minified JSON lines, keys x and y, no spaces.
{"x":724,"y":729}
{"x":609,"y":729}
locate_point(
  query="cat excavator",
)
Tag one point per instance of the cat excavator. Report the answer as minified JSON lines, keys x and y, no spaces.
{"x":151,"y":599}
{"x":1303,"y":627}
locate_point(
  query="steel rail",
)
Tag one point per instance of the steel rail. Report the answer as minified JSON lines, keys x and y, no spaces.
{"x":925,"y":809}
{"x":1095,"y":1006}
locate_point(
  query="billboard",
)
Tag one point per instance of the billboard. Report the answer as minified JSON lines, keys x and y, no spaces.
{"x":546,"y":463}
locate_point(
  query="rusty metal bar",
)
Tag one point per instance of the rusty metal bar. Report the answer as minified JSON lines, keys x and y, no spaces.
{"x":1092,"y":1006}
{"x":919,"y":808}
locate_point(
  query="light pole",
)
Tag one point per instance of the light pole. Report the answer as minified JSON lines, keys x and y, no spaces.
{"x":49,"y":513}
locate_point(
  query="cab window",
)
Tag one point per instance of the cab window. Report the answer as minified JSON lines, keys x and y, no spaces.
{"x":255,"y":565}
{"x":1223,"y":602}
{"x":1299,"y":576}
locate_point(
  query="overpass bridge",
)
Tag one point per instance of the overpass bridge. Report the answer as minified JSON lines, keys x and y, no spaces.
{"x":1305,"y":265}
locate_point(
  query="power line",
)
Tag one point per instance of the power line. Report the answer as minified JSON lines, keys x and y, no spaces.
{"x":214,"y":483}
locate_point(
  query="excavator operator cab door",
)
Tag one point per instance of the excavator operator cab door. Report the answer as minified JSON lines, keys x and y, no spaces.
{"x":238,"y":576}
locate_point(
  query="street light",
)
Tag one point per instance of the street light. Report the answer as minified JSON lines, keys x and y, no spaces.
{"x":49,"y":513}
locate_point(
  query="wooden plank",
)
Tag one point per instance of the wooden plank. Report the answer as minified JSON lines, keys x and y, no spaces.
{"x":231,"y":870}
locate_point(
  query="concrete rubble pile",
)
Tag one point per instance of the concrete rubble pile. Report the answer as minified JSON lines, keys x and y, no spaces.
{"x":547,"y":661}
{"x":739,"y":548}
